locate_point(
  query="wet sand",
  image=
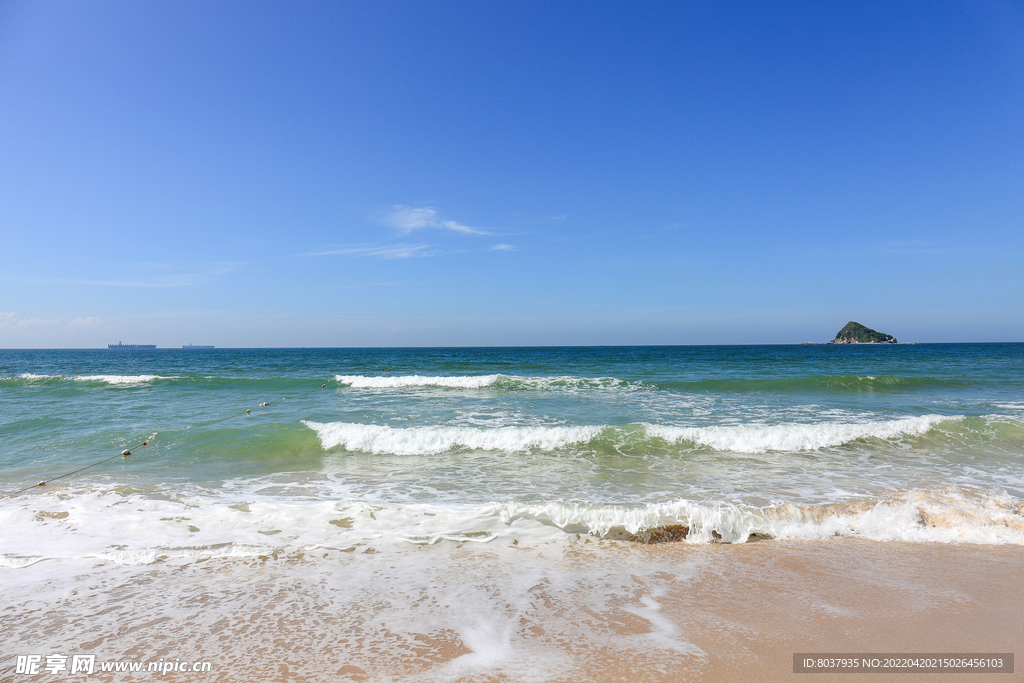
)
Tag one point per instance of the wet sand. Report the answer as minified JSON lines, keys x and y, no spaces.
{"x":769,"y":600}
{"x":590,"y":611}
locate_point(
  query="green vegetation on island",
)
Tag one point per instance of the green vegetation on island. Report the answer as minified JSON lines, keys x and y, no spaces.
{"x":855,"y":333}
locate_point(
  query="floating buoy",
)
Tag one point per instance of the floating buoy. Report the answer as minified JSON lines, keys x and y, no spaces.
{"x":128,"y":451}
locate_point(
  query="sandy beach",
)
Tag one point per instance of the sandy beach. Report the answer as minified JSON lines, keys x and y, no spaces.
{"x":420,"y":525}
{"x":461,"y":342}
{"x":588,"y":611}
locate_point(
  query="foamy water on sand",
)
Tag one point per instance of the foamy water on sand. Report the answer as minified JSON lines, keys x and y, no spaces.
{"x":447,"y":513}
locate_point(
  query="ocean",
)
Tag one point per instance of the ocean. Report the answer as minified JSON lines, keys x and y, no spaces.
{"x":389,"y":514}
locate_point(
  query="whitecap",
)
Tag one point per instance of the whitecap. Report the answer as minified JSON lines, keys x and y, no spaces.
{"x":795,"y":436}
{"x":370,"y":438}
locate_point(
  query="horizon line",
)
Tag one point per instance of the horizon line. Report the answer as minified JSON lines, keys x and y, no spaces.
{"x":491,"y":346}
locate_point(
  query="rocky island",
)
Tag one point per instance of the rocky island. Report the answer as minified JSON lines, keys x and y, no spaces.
{"x":855,"y":333}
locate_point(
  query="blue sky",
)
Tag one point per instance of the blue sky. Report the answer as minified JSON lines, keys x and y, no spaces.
{"x":516,"y":173}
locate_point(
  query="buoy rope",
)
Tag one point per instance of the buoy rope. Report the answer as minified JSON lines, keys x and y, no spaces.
{"x":128,"y":451}
{"x":123,"y":454}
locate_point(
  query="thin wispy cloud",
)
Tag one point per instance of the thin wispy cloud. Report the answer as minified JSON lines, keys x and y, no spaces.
{"x":407,"y":219}
{"x":87,"y":322}
{"x":387,"y":251}
{"x":459,"y":227}
{"x":11,"y":320}
{"x":503,"y":247}
{"x":402,"y":251}
{"x":158,"y":276}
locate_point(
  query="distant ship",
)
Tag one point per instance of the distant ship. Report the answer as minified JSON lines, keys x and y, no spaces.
{"x":195,"y":346}
{"x":119,"y":345}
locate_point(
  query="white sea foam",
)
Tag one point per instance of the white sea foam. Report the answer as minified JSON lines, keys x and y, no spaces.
{"x":466,"y":382}
{"x":425,"y":440}
{"x":107,"y":379}
{"x":120,"y":379}
{"x":630,"y":521}
{"x":482,"y":381}
{"x":795,"y":436}
{"x":132,"y":528}
{"x":947,"y":516}
{"x":370,"y":438}
{"x":434,"y":615}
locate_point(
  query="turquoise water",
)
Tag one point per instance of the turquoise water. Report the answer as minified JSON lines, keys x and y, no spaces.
{"x":423,"y":446}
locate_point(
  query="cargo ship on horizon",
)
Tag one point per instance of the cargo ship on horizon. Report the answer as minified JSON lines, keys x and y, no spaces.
{"x":119,"y":345}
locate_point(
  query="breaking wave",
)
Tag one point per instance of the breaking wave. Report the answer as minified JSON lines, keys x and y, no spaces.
{"x":946,"y":516}
{"x":87,"y":523}
{"x":852,"y":383}
{"x":120,"y":379}
{"x":467,"y":382}
{"x":794,"y":436}
{"x":425,"y":440}
{"x":497,"y":381}
{"x":370,"y":438}
{"x":113,"y":380}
